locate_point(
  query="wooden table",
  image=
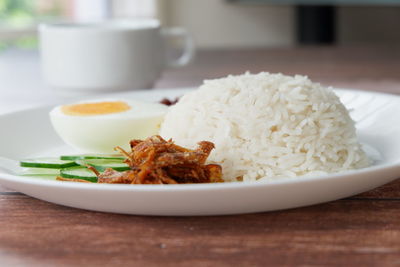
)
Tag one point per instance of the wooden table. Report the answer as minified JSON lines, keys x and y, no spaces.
{"x":363,"y":230}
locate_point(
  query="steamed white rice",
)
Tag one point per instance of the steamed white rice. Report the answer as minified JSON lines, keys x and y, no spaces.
{"x":267,"y":126}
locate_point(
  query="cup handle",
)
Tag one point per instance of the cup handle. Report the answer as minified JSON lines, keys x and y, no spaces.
{"x":188,"y":49}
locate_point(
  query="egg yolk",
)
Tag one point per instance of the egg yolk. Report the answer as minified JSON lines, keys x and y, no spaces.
{"x":98,"y":108}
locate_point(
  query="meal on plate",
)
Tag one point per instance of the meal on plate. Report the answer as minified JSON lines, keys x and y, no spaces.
{"x":263,"y":126}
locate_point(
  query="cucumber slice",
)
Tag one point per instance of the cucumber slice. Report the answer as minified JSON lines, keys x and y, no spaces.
{"x":52,"y":163}
{"x":41,"y":176}
{"x":92,"y":156}
{"x":79,"y":172}
{"x":102,"y":164}
{"x":39,"y":171}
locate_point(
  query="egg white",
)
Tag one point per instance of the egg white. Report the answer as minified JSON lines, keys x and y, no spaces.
{"x":101,"y":133}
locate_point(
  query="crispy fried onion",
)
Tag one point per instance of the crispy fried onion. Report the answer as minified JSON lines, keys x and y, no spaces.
{"x":157,"y":161}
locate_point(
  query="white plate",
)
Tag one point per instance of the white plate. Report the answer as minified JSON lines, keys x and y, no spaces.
{"x":29,"y":133}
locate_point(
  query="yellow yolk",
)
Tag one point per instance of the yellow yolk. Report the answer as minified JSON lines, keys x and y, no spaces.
{"x":97,"y":108}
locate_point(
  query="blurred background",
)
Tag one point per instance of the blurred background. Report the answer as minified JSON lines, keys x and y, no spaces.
{"x":220,"y":23}
{"x":344,"y":43}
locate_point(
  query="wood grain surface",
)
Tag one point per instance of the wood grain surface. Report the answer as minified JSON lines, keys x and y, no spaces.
{"x":363,"y":230}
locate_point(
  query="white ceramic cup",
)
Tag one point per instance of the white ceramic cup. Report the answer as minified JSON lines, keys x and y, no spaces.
{"x":110,"y":56}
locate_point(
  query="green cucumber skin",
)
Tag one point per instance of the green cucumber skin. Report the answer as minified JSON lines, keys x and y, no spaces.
{"x":90,"y":179}
{"x":103,"y":164}
{"x":47,"y":165}
{"x":79,"y":172}
{"x":77,"y":157}
{"x":103,"y":168}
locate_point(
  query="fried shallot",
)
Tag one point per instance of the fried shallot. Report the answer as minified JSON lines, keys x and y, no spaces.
{"x":169,"y":102}
{"x":157,"y":161}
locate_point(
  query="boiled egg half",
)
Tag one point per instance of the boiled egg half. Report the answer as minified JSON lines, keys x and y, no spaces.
{"x":100,"y":125}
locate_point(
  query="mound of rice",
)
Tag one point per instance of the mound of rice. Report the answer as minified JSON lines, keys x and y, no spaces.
{"x":267,"y":126}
